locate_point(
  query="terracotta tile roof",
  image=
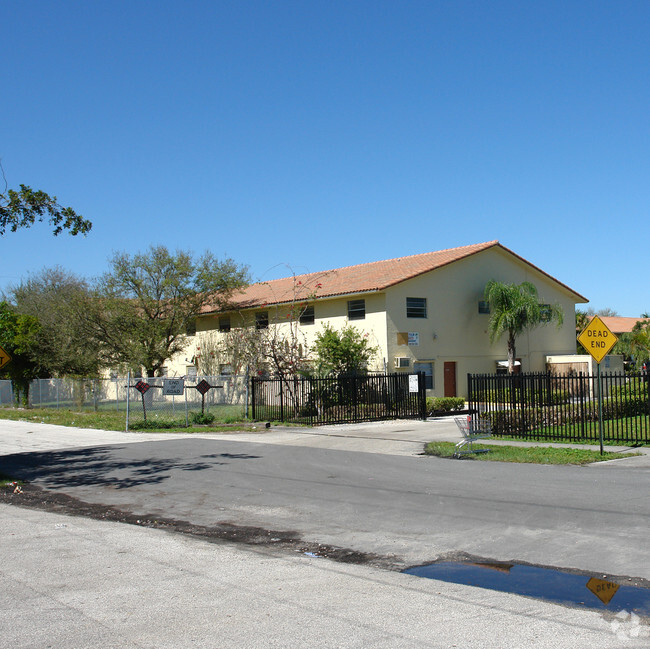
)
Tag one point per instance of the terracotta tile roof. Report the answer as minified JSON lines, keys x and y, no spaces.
{"x":618,"y":324}
{"x":362,"y":278}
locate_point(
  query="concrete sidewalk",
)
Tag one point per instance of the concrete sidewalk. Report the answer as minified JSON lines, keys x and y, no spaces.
{"x":76,"y":582}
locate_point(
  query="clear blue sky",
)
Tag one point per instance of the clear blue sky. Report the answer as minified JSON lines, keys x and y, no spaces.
{"x":321,"y":133}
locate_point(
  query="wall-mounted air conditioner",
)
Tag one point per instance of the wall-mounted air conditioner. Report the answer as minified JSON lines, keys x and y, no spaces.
{"x":402,"y":362}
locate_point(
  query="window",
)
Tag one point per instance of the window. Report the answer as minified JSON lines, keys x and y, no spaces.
{"x":356,"y":309}
{"x":427,"y":368}
{"x":190,"y":327}
{"x":545,"y":312}
{"x":483,"y":307}
{"x":224,"y":323}
{"x":307,"y":316}
{"x":416,"y":307}
{"x":262,"y":320}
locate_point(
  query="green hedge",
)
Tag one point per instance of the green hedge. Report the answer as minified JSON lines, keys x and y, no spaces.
{"x":529,"y":397}
{"x":445,"y":404}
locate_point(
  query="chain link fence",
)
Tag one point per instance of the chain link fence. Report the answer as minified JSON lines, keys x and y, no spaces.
{"x":72,"y":394}
{"x":6,"y":393}
{"x":162,"y":401}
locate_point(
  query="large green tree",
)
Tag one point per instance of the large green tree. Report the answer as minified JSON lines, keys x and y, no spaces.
{"x":17,"y":335}
{"x":58,"y":299}
{"x":515,"y":308}
{"x":343,"y":351}
{"x":144,"y":306}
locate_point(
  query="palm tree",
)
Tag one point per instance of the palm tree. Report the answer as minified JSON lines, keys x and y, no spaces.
{"x":582,"y":320}
{"x":515,"y":308}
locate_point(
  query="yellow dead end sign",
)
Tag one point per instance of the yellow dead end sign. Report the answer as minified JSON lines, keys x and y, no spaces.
{"x":4,"y":358}
{"x":597,"y":339}
{"x":602,"y":589}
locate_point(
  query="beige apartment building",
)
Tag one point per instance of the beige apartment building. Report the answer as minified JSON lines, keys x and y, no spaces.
{"x":423,"y":312}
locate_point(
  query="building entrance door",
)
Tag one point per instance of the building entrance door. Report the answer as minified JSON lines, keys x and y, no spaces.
{"x":450,"y":378}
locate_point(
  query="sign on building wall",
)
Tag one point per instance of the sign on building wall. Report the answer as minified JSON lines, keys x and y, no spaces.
{"x":414,"y":338}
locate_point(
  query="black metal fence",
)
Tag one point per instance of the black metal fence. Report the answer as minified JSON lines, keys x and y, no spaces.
{"x":565,"y":408}
{"x":341,"y":399}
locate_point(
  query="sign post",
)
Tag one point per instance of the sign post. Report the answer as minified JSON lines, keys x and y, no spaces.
{"x":598,"y":340}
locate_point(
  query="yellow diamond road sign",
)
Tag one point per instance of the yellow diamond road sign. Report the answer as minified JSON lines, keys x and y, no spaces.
{"x":602,"y":589}
{"x":4,"y":357}
{"x":597,"y":339}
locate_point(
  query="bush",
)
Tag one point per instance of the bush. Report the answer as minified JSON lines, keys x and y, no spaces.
{"x":528,"y":397}
{"x":445,"y":404}
{"x":201,"y":418}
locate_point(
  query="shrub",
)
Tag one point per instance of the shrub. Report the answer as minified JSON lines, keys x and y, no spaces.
{"x":201,"y":418}
{"x":445,"y":404}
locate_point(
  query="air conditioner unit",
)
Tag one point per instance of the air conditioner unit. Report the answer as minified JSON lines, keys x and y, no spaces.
{"x":402,"y":361}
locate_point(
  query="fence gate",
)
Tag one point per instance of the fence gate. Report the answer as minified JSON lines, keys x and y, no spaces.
{"x":342,"y":399}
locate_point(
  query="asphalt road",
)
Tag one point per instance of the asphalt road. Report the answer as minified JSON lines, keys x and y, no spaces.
{"x":69,"y":581}
{"x":409,"y":508}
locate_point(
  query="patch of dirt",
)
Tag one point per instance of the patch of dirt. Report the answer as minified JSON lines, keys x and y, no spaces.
{"x":35,"y":497}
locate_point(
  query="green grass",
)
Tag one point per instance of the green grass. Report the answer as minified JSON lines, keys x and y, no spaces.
{"x":106,"y":420}
{"x":527,"y":454}
{"x":5,"y":480}
{"x":634,"y":427}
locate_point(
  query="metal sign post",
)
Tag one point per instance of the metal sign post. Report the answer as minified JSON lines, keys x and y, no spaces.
{"x":598,"y":340}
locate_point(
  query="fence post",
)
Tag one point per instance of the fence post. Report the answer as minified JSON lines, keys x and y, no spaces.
{"x":252,"y":396}
{"x":128,"y":383}
{"x":187,"y":416}
{"x":422,"y":389}
{"x":247,"y":393}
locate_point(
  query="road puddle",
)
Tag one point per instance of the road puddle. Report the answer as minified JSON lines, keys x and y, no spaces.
{"x":589,"y":591}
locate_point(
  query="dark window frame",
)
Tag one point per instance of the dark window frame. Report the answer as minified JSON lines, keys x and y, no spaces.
{"x":416,"y":307}
{"x":224,"y":323}
{"x":429,"y":379}
{"x":357,"y":309}
{"x":262,"y":320}
{"x":307,"y":316}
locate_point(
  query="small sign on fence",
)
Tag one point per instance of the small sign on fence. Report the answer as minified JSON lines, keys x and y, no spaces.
{"x":142,"y":387}
{"x":173,"y":387}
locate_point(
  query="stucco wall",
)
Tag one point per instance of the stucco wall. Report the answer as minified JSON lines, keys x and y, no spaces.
{"x":332,"y":311}
{"x":454,"y":330}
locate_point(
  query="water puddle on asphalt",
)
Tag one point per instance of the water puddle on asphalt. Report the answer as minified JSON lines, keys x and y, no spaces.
{"x":592,"y":592}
